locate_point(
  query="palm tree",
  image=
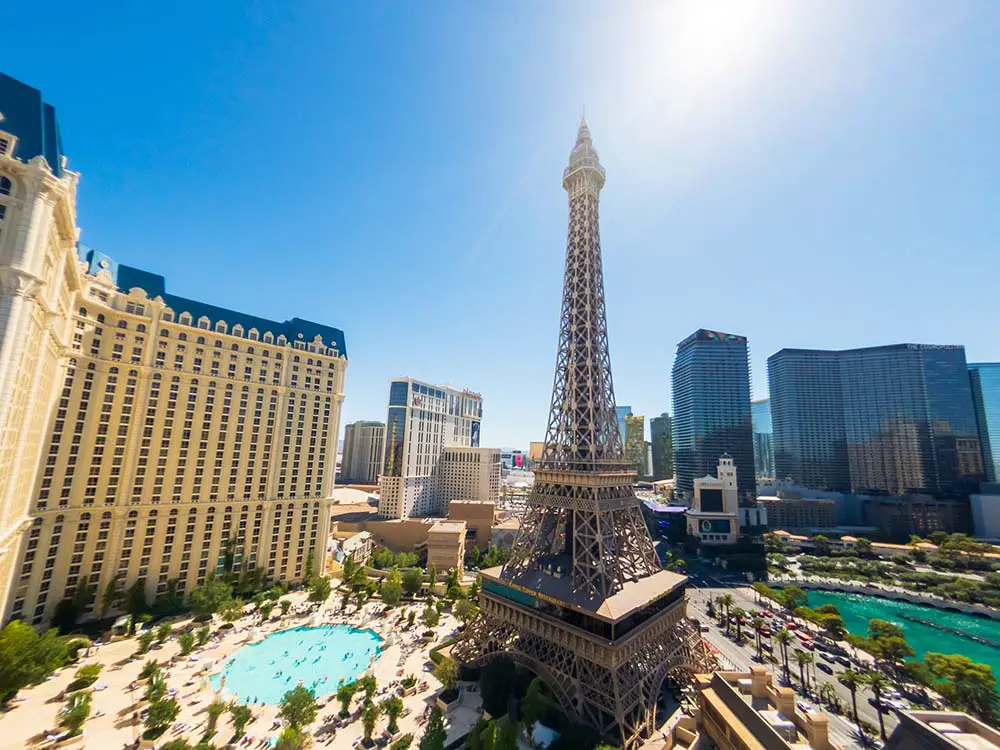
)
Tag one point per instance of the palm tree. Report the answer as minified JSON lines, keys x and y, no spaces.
{"x":727,"y":602}
{"x":392,"y":707}
{"x":720,"y":609}
{"x":783,"y":637}
{"x":739,"y":613}
{"x":758,"y":625}
{"x":878,"y":683}
{"x":803,"y":658}
{"x":852,"y":680}
{"x":827,"y":693}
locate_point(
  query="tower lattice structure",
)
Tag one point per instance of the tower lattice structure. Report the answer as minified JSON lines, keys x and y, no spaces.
{"x":583,"y":601}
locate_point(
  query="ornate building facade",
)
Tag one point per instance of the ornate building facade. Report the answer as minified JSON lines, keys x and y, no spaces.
{"x":147,"y":437}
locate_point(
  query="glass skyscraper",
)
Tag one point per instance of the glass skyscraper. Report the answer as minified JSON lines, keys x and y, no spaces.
{"x":622,"y":412}
{"x":661,"y":435}
{"x":763,"y":444}
{"x":711,"y":384}
{"x":986,"y":396}
{"x":887,"y":419}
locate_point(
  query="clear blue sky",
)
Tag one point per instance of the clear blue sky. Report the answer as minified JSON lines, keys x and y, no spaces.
{"x":808,"y":174}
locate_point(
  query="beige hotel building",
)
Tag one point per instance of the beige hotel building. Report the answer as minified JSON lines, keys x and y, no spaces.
{"x":143,"y":436}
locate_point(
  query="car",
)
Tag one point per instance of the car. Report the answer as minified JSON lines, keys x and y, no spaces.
{"x":803,"y":706}
{"x":844,"y":661}
{"x":886,"y":708}
{"x":823,"y":667}
{"x":705,"y":629}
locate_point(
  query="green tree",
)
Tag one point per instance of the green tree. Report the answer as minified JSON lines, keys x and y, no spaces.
{"x":852,"y":681}
{"x":156,"y":688}
{"x":792,"y":597}
{"x":783,"y":637}
{"x":186,"y":641}
{"x":863,"y":547}
{"x":392,"y":588}
{"x":804,"y":658}
{"x":434,"y":735}
{"x":727,"y":602}
{"x":369,"y":685}
{"x":965,"y":685}
{"x":310,"y":564}
{"x":178,"y":743}
{"x":369,"y":717}
{"x":403,"y":743}
{"x":465,"y":610}
{"x":878,"y":683}
{"x":135,"y":597}
{"x":145,"y":640}
{"x":113,"y":595}
{"x":821,"y":544}
{"x":446,"y":671}
{"x":76,"y":712}
{"x":345,"y":694}
{"x":532,"y":706}
{"x":758,"y":626}
{"x":203,"y":634}
{"x":215,"y":709}
{"x":432,"y":574}
{"x":160,"y":714}
{"x":85,"y":677}
{"x":232,"y":610}
{"x":285,"y":606}
{"x":411,"y":618}
{"x":163,"y":632}
{"x":292,"y":739}
{"x":265,"y":608}
{"x":739,"y":613}
{"x":430,"y":617}
{"x":475,"y":588}
{"x":210,"y":597}
{"x":454,"y":580}
{"x":392,"y":707}
{"x":241,"y":716}
{"x":319,"y":590}
{"x":149,"y":670}
{"x":354,"y":574}
{"x":413,"y":579}
{"x":298,"y":707}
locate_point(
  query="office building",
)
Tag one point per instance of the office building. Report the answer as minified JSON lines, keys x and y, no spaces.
{"x":941,"y":730}
{"x":799,"y":512}
{"x":893,"y":419}
{"x":985,"y":380}
{"x":763,"y":443}
{"x":900,"y":518}
{"x":985,"y":509}
{"x":621,"y":412}
{"x":711,"y":387}
{"x":635,"y":444}
{"x":133,"y":417}
{"x":662,"y":444}
{"x":363,"y":443}
{"x":422,"y":421}
{"x":470,"y":474}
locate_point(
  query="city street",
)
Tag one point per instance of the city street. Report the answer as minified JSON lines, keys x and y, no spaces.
{"x":842,"y":729}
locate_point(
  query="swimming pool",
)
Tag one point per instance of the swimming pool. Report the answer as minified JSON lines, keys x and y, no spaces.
{"x":318,"y":657}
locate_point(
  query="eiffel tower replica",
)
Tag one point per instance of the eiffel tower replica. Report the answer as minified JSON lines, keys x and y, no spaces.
{"x":583,"y":601}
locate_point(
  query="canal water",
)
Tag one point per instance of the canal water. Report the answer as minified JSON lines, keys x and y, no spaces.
{"x":956,"y":633}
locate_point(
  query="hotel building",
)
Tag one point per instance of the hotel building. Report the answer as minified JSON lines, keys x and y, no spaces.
{"x":422,"y":421}
{"x":363,"y":445}
{"x":144,"y":437}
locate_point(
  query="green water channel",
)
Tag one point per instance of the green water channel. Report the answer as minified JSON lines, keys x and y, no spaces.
{"x":959,"y":637}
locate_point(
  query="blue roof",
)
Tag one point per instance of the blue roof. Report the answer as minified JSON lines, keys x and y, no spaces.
{"x":32,"y":121}
{"x":127,"y":278}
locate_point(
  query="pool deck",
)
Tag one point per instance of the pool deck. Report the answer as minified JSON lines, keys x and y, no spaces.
{"x":37,"y":708}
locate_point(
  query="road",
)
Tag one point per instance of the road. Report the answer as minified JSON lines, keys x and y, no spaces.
{"x":842,"y":730}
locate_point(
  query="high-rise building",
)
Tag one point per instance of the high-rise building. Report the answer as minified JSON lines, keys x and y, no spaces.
{"x":363,"y":444}
{"x":763,"y":442}
{"x":471,"y":474}
{"x":895,"y":419}
{"x":583,"y":598}
{"x":711,"y":386}
{"x":661,"y":433}
{"x":621,"y":412}
{"x":137,"y":417}
{"x":422,"y":421}
{"x":985,"y":379}
{"x":635,"y":443}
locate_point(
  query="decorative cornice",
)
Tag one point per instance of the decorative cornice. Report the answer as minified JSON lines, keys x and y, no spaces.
{"x":19,"y":283}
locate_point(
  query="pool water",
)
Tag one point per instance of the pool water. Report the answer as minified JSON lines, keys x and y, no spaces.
{"x":318,"y":657}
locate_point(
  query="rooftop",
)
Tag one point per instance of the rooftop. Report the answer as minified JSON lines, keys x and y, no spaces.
{"x":947,"y":730}
{"x":127,"y":278}
{"x":632,"y":596}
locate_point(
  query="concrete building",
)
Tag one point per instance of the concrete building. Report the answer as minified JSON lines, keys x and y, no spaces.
{"x":479,"y":518}
{"x":799,"y":513}
{"x":941,"y":730}
{"x":985,"y":507}
{"x":713,"y":515}
{"x":132,"y":417}
{"x":901,"y":517}
{"x":422,"y":421}
{"x":363,"y":444}
{"x":446,"y":545}
{"x":470,"y":474}
{"x":741,"y":710}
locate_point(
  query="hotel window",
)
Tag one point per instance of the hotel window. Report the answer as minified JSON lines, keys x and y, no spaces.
{"x":3,"y":211}
{"x":5,"y":183}
{"x":4,"y":145}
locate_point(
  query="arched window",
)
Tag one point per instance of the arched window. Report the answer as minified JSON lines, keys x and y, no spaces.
{"x":185,"y":318}
{"x":201,"y":339}
{"x":5,"y":186}
{"x":123,"y":324}
{"x":140,"y":328}
{"x":83,"y":311}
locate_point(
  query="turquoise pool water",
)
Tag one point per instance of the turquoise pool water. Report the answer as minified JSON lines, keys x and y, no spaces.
{"x":857,"y":610}
{"x":318,"y":657}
